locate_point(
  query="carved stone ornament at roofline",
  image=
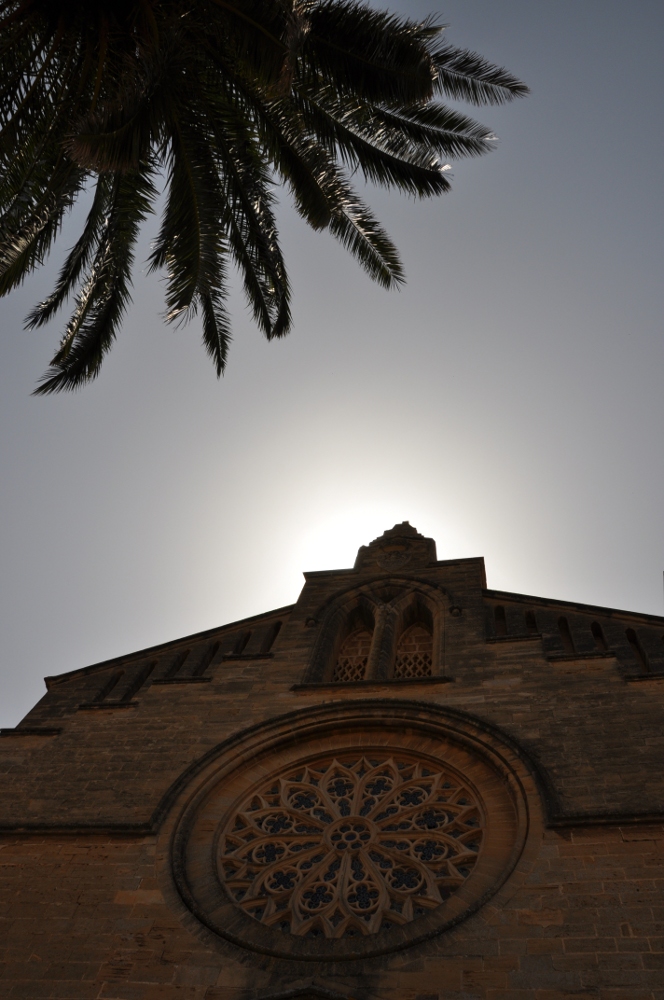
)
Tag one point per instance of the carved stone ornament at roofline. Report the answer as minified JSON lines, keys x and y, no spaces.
{"x":395,"y":549}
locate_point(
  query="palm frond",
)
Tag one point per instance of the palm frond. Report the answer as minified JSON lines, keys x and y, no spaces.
{"x":190,"y":243}
{"x":27,"y":233}
{"x":298,"y":159}
{"x":367,"y":53}
{"x":467,"y":76}
{"x":79,"y":256}
{"x":252,"y":231}
{"x":357,"y":229}
{"x":255,"y":35}
{"x":384,"y":155}
{"x":118,"y":137}
{"x":436,"y":127}
{"x":104,"y":298}
{"x":216,"y":327}
{"x":229,"y":98}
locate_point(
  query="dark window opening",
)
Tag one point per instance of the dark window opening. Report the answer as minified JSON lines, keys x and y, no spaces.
{"x":270,"y":637}
{"x":241,"y":643}
{"x":206,"y":659}
{"x":566,"y":636}
{"x":638,"y":650}
{"x":177,"y":663}
{"x":531,"y":623}
{"x":598,"y":636}
{"x":500,"y":620}
{"x":138,"y":681}
{"x":110,"y":684}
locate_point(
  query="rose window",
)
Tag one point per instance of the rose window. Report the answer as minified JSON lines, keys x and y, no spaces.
{"x":350,"y":845}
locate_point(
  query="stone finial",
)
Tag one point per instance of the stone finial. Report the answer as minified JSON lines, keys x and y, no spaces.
{"x":397,"y":547}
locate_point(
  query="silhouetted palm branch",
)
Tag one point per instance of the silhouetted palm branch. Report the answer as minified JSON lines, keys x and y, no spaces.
{"x":225,"y":99}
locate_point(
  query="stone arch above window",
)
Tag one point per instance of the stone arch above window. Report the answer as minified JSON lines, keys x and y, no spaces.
{"x":347,"y":629}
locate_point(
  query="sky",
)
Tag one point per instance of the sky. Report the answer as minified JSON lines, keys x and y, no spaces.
{"x":507,"y":401}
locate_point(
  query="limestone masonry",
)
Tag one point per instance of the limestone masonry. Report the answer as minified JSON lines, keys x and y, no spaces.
{"x":405,"y":786}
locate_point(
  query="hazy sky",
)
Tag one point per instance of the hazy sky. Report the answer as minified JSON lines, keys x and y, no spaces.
{"x":508,"y":402}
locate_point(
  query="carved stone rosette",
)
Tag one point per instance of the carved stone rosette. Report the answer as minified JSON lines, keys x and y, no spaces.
{"x":347,"y":845}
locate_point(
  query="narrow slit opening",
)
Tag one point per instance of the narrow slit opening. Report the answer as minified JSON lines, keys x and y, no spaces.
{"x":109,"y":686}
{"x":270,"y":637}
{"x":177,"y":664}
{"x":206,"y":659}
{"x":241,"y":643}
{"x":138,"y":681}
{"x":566,"y":636}
{"x":500,"y":620}
{"x":638,"y":650}
{"x":598,"y":636}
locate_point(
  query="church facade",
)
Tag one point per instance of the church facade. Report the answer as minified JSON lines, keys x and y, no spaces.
{"x":405,"y":786}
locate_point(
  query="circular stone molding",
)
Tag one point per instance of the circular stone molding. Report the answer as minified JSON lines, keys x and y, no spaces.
{"x":349,"y":831}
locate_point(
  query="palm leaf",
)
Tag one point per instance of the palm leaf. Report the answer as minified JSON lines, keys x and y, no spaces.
{"x":467,"y":76}
{"x":357,"y":229}
{"x":26,"y":235}
{"x":102,"y":302}
{"x":384,"y":155}
{"x":190,"y":243}
{"x":366,"y":53}
{"x":435,"y":127}
{"x":79,"y":256}
{"x":216,"y":325}
{"x":228,"y":98}
{"x":252,"y":232}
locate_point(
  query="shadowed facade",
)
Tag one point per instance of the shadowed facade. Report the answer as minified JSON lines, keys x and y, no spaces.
{"x":405,"y":785}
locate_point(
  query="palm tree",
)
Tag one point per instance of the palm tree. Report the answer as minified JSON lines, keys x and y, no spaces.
{"x":220,"y":100}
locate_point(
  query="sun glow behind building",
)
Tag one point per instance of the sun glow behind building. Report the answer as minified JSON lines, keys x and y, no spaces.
{"x":507,"y":401}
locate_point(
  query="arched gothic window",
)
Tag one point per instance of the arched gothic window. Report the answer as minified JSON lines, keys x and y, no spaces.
{"x":414,"y":652}
{"x":380,"y":633}
{"x":353,"y":657}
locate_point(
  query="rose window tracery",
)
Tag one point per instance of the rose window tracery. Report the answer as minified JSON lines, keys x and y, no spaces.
{"x":350,"y":845}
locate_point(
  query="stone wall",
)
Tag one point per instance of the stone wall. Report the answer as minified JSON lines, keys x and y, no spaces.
{"x":93,"y":781}
{"x":85,"y":917}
